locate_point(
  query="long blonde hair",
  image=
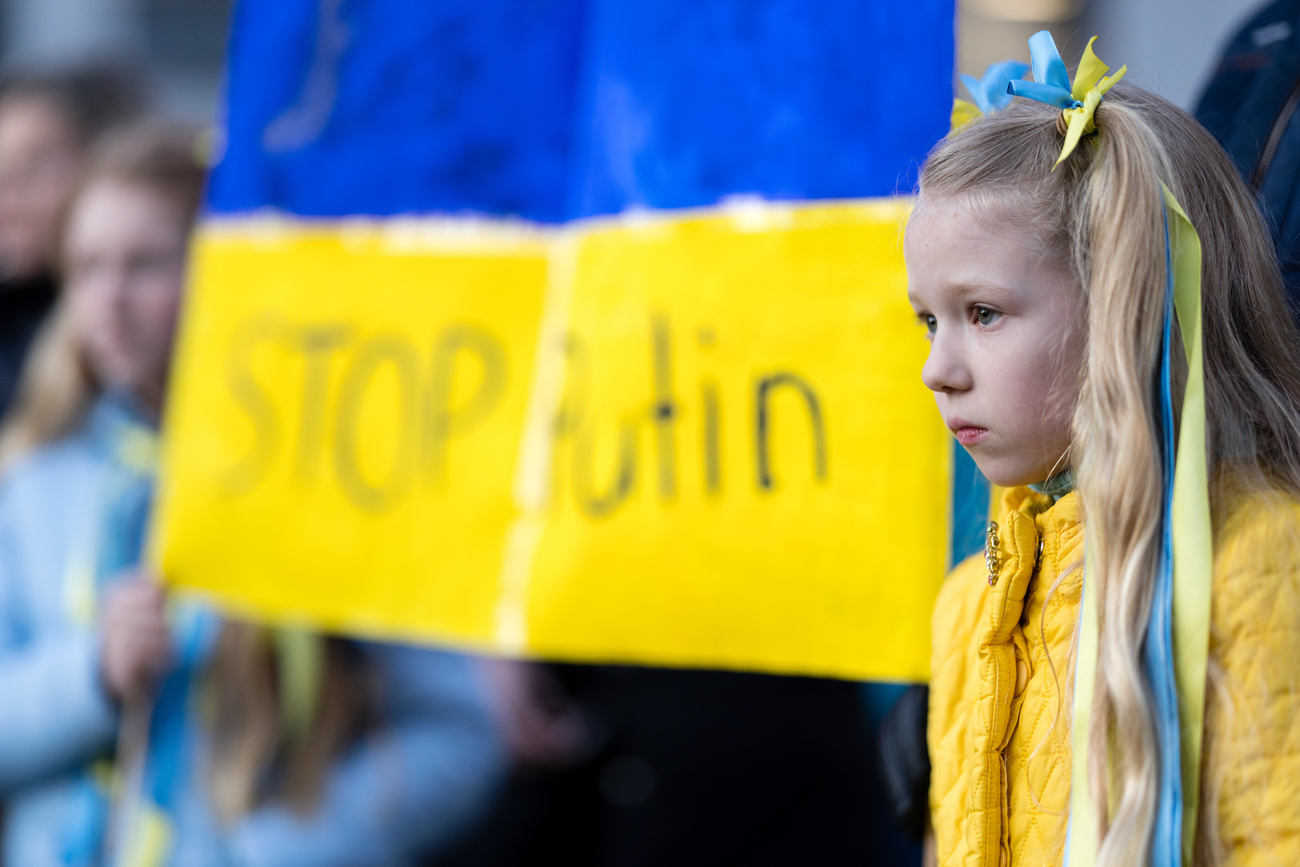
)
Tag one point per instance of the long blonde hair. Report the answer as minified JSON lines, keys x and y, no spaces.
{"x":1101,"y":214}
{"x":57,"y":385}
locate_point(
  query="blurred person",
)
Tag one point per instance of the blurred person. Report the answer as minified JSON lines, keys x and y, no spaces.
{"x":905,"y":767}
{"x":288,"y":749}
{"x":1250,"y":105}
{"x":47,"y":124}
{"x":622,"y":766}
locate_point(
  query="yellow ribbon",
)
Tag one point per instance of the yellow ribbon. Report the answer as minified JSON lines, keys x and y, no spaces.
{"x":1090,"y":83}
{"x":1192,"y":546}
{"x":963,"y":112}
{"x":1193,"y":571}
{"x":300,"y":658}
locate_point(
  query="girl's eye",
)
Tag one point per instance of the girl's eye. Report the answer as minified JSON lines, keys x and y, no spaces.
{"x":986,"y":316}
{"x":931,"y":324}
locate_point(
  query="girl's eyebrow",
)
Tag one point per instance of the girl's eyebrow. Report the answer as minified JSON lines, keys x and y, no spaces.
{"x":969,"y":288}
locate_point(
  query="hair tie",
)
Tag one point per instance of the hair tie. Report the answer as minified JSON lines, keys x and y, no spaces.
{"x":1051,"y":85}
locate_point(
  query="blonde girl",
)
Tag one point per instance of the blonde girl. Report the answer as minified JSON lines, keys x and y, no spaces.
{"x":1042,"y":292}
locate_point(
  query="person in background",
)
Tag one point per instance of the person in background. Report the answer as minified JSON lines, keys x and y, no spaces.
{"x":630,"y":766}
{"x":1250,"y":105}
{"x":263,"y":746}
{"x":47,"y":124}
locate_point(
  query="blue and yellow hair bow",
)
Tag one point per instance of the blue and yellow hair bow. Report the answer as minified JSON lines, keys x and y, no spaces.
{"x":990,"y":92}
{"x":1051,"y":85}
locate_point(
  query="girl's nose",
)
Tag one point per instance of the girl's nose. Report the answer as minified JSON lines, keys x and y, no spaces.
{"x":945,"y":368}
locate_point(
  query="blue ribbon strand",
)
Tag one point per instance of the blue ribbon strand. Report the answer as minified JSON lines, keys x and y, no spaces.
{"x":1051,"y":82}
{"x":990,"y":91}
{"x":1158,"y":649}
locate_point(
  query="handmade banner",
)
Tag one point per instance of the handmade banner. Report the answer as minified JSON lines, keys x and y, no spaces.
{"x":444,"y":377}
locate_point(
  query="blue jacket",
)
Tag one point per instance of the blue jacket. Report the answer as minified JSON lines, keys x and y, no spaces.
{"x":402,"y":790}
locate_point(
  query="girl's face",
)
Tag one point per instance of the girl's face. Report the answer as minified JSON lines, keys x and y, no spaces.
{"x":1006,"y":332}
{"x":125,"y":263}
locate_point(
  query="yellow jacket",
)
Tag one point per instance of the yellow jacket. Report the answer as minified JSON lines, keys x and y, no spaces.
{"x":999,"y":730}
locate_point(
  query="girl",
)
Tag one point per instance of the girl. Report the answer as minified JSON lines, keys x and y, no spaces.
{"x":352,"y":754}
{"x":1043,"y":294}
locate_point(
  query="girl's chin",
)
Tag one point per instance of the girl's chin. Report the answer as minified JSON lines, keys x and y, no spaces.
{"x":1004,"y":476}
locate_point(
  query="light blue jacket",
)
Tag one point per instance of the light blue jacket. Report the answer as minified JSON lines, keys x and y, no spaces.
{"x":405,"y":788}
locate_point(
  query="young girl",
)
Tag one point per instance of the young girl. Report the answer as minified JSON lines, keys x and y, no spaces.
{"x":354,"y":754}
{"x":1043,"y":292}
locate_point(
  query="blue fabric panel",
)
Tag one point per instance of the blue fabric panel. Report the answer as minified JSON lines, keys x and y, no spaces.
{"x":381,"y":107}
{"x":551,"y":109}
{"x":687,"y":101}
{"x":970,"y":506}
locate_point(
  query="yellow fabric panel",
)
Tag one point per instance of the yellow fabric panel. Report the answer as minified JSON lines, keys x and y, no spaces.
{"x":706,"y":442}
{"x":301,"y":477}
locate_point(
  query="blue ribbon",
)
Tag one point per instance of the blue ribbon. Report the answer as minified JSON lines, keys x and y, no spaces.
{"x":1158,"y":649}
{"x":990,"y":91}
{"x":1051,"y":82}
{"x":170,"y":747}
{"x":120,"y":540}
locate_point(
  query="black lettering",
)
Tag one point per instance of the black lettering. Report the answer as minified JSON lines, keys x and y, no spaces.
{"x":318,"y":345}
{"x":255,"y":400}
{"x":664,"y":410}
{"x":712,"y":421}
{"x":600,"y":505}
{"x":712,"y":435}
{"x":371,"y":356}
{"x":571,"y":420}
{"x":763,"y":425}
{"x":573,"y":406}
{"x":442,"y":420}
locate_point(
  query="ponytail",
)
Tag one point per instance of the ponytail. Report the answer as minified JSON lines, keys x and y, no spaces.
{"x":1118,"y":471}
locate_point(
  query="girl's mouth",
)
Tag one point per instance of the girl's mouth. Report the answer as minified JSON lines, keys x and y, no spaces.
{"x":969,"y":436}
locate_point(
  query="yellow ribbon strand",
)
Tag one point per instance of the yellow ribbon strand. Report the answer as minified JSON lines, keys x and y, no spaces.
{"x":1090,"y":71}
{"x":1192,"y":547}
{"x":1089,"y":85}
{"x":300,"y":656}
{"x":1079,"y":123}
{"x":1193,"y":570}
{"x":151,"y":839}
{"x":1083,"y":837}
{"x":963,"y":113}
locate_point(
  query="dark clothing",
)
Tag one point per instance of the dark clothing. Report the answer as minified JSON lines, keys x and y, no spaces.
{"x":703,"y":768}
{"x":24,"y":305}
{"x":1250,"y":105}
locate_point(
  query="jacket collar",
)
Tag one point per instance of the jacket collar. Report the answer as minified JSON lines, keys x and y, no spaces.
{"x":1047,"y":514}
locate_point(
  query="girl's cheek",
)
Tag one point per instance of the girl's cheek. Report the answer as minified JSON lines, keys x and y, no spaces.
{"x":84,"y":313}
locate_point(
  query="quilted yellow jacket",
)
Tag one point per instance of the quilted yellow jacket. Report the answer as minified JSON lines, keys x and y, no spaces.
{"x":999,"y":729}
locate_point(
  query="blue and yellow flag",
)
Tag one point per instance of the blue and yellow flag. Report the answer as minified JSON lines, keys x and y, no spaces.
{"x":569,"y":329}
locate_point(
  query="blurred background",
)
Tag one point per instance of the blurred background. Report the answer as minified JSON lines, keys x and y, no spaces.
{"x":1169,"y":45}
{"x":177,"y":45}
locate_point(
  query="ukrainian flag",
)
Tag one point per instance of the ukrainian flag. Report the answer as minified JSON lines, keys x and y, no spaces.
{"x":569,"y":328}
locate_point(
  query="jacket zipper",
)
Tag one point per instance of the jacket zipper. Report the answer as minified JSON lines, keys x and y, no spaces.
{"x":1275,"y":138}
